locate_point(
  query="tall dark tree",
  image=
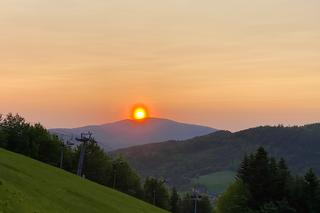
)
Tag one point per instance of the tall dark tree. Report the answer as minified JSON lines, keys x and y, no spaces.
{"x":312,"y":191}
{"x":243,"y":170}
{"x":174,"y":201}
{"x":187,"y":205}
{"x":47,"y":145}
{"x":234,"y":200}
{"x":97,"y":165}
{"x":204,"y":205}
{"x":156,"y":192}
{"x":265,"y":185}
{"x":258,"y":178}
{"x":124,"y":178}
{"x":297,"y":194}
{"x":282,"y":180}
{"x":3,"y":136}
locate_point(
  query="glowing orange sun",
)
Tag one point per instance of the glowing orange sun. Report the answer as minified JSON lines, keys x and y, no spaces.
{"x":139,"y":113}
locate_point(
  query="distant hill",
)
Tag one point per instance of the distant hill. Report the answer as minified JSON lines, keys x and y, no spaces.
{"x":27,"y":185}
{"x":128,"y":133}
{"x":180,"y":162}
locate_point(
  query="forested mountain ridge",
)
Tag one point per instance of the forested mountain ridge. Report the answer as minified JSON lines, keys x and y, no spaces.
{"x":180,"y":161}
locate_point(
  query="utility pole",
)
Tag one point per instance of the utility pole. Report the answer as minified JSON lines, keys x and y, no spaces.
{"x":61,"y":156}
{"x":195,"y":197}
{"x":62,"y":138}
{"x":84,"y":139}
{"x":154,"y":197}
{"x":114,"y":178}
{"x":154,"y":190}
{"x":116,"y":167}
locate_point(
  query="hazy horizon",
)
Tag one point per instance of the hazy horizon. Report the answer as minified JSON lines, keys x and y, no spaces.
{"x":178,"y":121}
{"x":228,"y":65}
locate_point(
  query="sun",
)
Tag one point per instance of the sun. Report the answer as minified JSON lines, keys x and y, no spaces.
{"x":139,"y":113}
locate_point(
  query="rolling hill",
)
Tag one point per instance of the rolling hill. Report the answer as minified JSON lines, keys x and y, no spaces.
{"x":182,"y":162}
{"x":27,"y":186}
{"x":128,"y":133}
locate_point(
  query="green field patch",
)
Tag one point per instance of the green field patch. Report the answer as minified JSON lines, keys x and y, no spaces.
{"x":216,"y":182}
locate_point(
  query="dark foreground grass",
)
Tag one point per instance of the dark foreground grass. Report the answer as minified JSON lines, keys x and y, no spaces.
{"x":30,"y":186}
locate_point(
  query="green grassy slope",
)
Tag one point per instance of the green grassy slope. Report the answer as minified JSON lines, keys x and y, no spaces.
{"x":216,"y":182}
{"x":27,"y":185}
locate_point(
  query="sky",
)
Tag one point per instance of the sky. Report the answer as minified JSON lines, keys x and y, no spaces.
{"x":225,"y":64}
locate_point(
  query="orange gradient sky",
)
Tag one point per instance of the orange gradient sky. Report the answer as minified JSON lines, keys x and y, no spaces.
{"x":227,"y":64}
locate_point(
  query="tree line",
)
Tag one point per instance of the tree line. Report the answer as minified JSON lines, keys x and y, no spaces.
{"x":37,"y":142}
{"x":265,"y":185}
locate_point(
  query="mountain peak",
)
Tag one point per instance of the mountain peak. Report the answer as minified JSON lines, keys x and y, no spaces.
{"x":128,"y":132}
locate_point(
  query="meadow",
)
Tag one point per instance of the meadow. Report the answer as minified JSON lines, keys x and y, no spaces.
{"x":216,"y":182}
{"x":27,"y":185}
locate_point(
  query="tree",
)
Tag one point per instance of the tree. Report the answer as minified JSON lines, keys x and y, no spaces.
{"x":156,"y":193}
{"x":283,"y":180}
{"x":259,"y":178}
{"x":264,"y":184}
{"x":187,"y":205}
{"x":3,"y":138}
{"x":244,"y":168}
{"x":204,"y":205}
{"x":32,"y":140}
{"x":14,"y":126}
{"x":234,"y":200}
{"x":70,"y":161}
{"x":47,"y":148}
{"x":312,"y":191}
{"x":277,"y":207}
{"x":124,"y":178}
{"x":97,"y":165}
{"x":265,"y":178}
{"x":174,"y":201}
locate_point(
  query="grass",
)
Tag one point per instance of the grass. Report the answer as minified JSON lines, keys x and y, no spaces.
{"x":30,"y":186}
{"x":216,"y":182}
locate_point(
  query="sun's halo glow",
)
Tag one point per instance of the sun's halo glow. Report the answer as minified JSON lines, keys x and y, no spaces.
{"x":139,"y":113}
